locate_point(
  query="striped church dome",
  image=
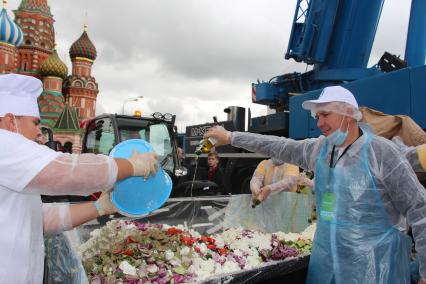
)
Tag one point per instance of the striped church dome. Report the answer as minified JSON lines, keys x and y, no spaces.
{"x":54,"y":66}
{"x":83,"y":47}
{"x":9,"y":31}
{"x":35,"y":6}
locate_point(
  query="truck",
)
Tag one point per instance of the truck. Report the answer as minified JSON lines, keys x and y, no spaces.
{"x":105,"y":131}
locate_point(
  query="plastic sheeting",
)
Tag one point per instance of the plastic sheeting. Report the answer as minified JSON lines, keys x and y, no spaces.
{"x":289,"y":271}
{"x":285,"y":212}
{"x":62,"y":265}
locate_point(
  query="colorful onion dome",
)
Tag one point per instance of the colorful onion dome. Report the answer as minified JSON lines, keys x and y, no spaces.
{"x":9,"y":31}
{"x":53,"y":66}
{"x":35,"y":5}
{"x":83,"y":47}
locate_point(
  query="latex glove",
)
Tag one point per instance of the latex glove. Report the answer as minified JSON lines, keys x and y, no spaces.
{"x":105,"y":206}
{"x":254,"y":195}
{"x":220,"y":134}
{"x":256,"y":183}
{"x":144,"y":164}
{"x":264,"y":193}
{"x":303,"y":180}
{"x":255,"y":191}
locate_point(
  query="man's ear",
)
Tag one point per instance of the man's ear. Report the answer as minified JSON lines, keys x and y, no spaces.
{"x":8,"y":122}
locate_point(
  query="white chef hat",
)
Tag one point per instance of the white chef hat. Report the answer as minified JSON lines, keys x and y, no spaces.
{"x":18,"y":95}
{"x":335,"y":99}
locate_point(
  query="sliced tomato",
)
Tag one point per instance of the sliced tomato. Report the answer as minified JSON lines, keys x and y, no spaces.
{"x":211,"y":240}
{"x":204,"y":239}
{"x":223,"y":251}
{"x":130,"y":240}
{"x":211,"y":246}
{"x":187,"y":240}
{"x":173,"y":231}
{"x":128,"y":252}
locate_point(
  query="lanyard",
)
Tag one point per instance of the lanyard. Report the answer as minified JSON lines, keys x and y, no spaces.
{"x":344,"y":151}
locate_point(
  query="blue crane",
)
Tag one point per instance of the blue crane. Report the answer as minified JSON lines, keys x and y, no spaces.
{"x":336,"y":37}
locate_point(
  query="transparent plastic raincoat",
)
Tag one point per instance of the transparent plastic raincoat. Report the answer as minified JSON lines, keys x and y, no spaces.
{"x":416,"y":155}
{"x":360,"y":200}
{"x":278,"y":177}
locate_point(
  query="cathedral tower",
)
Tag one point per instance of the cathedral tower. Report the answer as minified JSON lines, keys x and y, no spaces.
{"x":36,"y":22}
{"x":51,"y":101}
{"x":11,"y":36}
{"x":80,"y":88}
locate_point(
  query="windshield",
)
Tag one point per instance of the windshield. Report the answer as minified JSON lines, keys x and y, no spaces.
{"x":156,"y":134}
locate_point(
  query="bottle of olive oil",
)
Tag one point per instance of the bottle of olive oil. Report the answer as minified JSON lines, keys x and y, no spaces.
{"x":205,"y":146}
{"x":255,"y":201}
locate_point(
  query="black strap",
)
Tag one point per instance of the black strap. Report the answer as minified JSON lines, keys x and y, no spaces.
{"x":344,"y":151}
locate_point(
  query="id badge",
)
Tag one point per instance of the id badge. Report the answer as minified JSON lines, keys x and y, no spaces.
{"x":327,"y":207}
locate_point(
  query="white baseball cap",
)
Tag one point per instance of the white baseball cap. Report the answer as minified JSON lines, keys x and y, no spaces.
{"x":18,"y":95}
{"x":332,"y":94}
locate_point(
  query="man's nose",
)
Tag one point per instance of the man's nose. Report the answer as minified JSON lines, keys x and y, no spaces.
{"x":39,"y":133}
{"x":319,"y":122}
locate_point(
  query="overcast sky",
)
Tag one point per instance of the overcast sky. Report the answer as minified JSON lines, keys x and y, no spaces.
{"x":192,"y":58}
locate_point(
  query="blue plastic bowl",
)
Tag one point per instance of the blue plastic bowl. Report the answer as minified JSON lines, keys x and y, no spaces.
{"x":134,"y":196}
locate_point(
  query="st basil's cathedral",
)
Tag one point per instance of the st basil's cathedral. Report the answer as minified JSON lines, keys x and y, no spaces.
{"x":27,"y":46}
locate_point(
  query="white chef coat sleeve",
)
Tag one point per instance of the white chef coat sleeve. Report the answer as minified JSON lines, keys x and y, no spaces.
{"x":56,"y":218}
{"x":21,"y":160}
{"x":75,"y":174}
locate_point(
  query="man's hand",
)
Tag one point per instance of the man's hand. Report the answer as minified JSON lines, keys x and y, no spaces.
{"x":256,"y":194}
{"x":422,"y":281}
{"x":144,"y":164}
{"x":255,"y":190}
{"x":104,"y":205}
{"x":220,"y":134}
{"x":303,"y":180}
{"x":105,"y":202}
{"x":264,"y":193}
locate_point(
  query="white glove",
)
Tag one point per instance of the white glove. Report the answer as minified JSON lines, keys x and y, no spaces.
{"x":220,"y":134}
{"x":104,"y":204}
{"x":256,"y":184}
{"x":144,"y":164}
{"x":264,"y":193}
{"x":303,"y":180}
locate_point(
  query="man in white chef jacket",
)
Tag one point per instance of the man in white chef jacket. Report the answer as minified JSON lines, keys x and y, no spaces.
{"x":28,"y":169}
